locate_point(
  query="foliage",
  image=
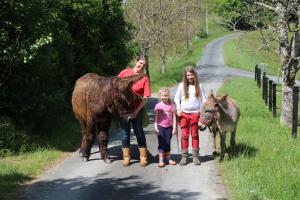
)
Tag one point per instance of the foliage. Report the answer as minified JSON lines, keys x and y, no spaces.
{"x":161,"y":25}
{"x":233,"y":12}
{"x":179,"y":57}
{"x":46,"y":45}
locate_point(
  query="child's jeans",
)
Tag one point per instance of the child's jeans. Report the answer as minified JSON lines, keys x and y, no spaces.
{"x":164,"y":139}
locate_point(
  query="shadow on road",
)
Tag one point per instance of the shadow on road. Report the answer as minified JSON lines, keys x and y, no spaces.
{"x":130,"y":187}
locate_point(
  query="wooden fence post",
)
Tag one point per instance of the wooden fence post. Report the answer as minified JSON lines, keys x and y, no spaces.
{"x":274,"y":100}
{"x":255,"y":73}
{"x":270,"y":94}
{"x":266,"y":90}
{"x":295,"y":111}
{"x":258,"y":77}
{"x":263,"y":85}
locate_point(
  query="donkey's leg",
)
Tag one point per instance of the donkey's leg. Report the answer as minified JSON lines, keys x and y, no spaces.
{"x":83,"y":130}
{"x":87,"y":141}
{"x":103,"y":140}
{"x":222,"y":144}
{"x":232,"y":138}
{"x":214,"y":142}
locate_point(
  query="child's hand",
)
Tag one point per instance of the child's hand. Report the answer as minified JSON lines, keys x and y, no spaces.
{"x":174,"y":132}
{"x":156,"y":130}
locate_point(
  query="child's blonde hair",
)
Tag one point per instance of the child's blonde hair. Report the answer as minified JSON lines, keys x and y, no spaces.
{"x":164,"y":90}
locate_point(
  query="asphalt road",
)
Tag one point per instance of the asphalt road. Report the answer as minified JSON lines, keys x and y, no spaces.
{"x":74,"y":180}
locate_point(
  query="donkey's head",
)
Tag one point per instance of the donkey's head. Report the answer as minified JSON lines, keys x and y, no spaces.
{"x":210,"y":109}
{"x":122,"y":96}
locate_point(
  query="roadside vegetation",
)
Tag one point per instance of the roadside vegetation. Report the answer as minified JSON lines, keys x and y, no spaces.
{"x":25,"y":155}
{"x":245,"y":51}
{"x":266,"y":160}
{"x":37,"y":127}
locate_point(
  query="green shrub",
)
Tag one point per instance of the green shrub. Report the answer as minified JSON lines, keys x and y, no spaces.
{"x":12,"y":140}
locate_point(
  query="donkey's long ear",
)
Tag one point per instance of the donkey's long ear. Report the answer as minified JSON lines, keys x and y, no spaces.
{"x":128,"y":81}
{"x":210,"y":94}
{"x":219,"y":99}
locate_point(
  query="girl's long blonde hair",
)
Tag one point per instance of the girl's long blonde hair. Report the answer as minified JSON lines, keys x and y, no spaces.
{"x":191,"y":68}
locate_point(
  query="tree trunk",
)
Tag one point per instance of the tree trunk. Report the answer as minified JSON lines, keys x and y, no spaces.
{"x":287,"y":105}
{"x":289,"y":62}
{"x":288,"y":80}
{"x":144,"y":53}
{"x":163,"y":59}
{"x":186,"y":35}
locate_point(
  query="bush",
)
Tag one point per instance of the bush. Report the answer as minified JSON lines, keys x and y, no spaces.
{"x":202,"y":34}
{"x":12,"y":141}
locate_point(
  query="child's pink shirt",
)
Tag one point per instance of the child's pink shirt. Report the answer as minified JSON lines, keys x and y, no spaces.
{"x":164,"y":114}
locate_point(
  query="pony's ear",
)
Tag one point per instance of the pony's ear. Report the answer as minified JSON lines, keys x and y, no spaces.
{"x":211,"y":95}
{"x":222,"y":98}
{"x":126,"y":82}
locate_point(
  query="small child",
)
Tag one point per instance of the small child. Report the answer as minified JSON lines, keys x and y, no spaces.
{"x":165,"y":126}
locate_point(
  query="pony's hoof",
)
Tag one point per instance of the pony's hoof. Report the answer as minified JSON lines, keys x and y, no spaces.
{"x":85,"y":159}
{"x":80,"y":153}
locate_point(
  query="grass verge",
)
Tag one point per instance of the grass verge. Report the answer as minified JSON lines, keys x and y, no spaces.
{"x":242,"y":52}
{"x":16,"y":169}
{"x":266,"y":161}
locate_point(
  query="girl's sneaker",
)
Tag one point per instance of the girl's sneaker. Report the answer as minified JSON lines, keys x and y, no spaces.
{"x":172,"y":162}
{"x":161,"y":164}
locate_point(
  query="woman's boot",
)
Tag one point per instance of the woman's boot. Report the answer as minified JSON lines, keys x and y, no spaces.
{"x":183,"y":160}
{"x":196,"y":160}
{"x":143,"y":157}
{"x":126,"y":157}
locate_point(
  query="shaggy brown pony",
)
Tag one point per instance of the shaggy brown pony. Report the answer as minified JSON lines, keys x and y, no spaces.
{"x":94,"y":100}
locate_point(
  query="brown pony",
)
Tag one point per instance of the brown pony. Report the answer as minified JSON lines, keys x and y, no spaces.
{"x":94,"y":100}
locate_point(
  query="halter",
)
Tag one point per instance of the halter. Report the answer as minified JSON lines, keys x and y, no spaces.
{"x":213,"y":120}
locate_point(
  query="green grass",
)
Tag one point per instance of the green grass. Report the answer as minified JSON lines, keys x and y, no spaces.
{"x":266,"y":165}
{"x":16,"y":169}
{"x":242,"y":52}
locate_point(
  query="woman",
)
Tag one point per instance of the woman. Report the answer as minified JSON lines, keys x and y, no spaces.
{"x":188,"y":99}
{"x":142,"y":89}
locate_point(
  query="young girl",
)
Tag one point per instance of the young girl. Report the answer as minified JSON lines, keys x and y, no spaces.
{"x":165,"y":126}
{"x":188,"y":99}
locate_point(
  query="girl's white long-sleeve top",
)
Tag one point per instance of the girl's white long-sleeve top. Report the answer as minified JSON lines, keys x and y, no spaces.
{"x":192,"y":104}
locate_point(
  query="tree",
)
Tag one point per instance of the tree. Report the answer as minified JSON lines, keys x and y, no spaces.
{"x":233,"y":13}
{"x":285,"y":22}
{"x":162,"y":24}
{"x":47,"y":44}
